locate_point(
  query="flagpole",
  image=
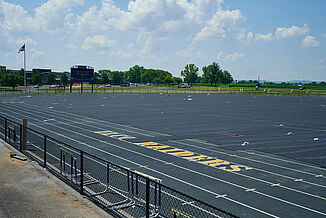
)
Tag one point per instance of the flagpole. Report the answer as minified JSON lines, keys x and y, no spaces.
{"x":24,"y":69}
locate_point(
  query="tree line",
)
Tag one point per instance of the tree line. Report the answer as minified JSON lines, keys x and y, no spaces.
{"x":136,"y":74}
{"x":11,"y":79}
{"x":212,"y":74}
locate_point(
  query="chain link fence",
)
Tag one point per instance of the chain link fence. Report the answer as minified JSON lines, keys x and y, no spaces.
{"x":173,"y":90}
{"x":118,"y":190}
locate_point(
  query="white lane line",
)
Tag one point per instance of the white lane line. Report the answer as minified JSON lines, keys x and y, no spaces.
{"x":291,"y":203}
{"x":301,"y":151}
{"x":227,"y":198}
{"x":183,"y":168}
{"x":105,"y":122}
{"x":295,"y":146}
{"x":49,"y":120}
{"x":258,"y":169}
{"x":275,"y":165}
{"x":264,"y":181}
{"x":158,"y":172}
{"x":250,"y":190}
{"x":288,"y":161}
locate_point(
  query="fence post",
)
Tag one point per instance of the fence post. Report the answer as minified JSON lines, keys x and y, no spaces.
{"x":20,"y":136}
{"x":81,"y":172}
{"x":44,"y":158}
{"x":147,"y":197}
{"x":24,"y":134}
{"x":6,"y":129}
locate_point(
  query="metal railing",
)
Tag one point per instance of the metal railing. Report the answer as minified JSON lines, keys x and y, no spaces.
{"x":173,"y":90}
{"x":116,"y":189}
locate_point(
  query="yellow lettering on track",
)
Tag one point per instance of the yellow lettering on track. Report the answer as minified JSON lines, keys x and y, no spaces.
{"x":146,"y":143}
{"x":211,"y":161}
{"x":183,"y":153}
{"x":127,"y":137}
{"x":235,"y":168}
{"x":100,"y":132}
{"x":197,"y":157}
{"x":171,"y":150}
{"x":113,"y":136}
{"x":158,"y":147}
{"x":191,"y":156}
{"x":109,"y":133}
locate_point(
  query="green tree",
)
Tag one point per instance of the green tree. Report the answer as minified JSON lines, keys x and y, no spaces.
{"x":216,"y":72}
{"x":226,"y":77}
{"x":100,"y":72}
{"x":150,"y":74}
{"x":3,"y":69}
{"x":105,"y":78}
{"x":96,"y":78}
{"x":207,"y":75}
{"x":10,"y":79}
{"x":50,"y":78}
{"x":64,"y":79}
{"x":168,"y":79}
{"x":147,"y":77}
{"x":157,"y":80}
{"x":178,"y":80}
{"x":190,"y":73}
{"x":134,"y":74}
{"x":36,"y":77}
{"x":2,"y":73}
{"x":117,"y":77}
{"x":21,"y":76}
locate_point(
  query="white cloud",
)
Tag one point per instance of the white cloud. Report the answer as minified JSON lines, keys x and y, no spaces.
{"x":37,"y":54}
{"x":266,"y":37}
{"x":162,"y":17}
{"x":189,"y":53}
{"x":55,"y":15}
{"x":220,"y":55}
{"x":97,"y":42}
{"x":283,"y":32}
{"x":14,"y":18}
{"x":121,"y":54}
{"x":250,"y":36}
{"x":51,"y":16}
{"x":222,"y":23}
{"x":70,"y":46}
{"x":231,"y":57}
{"x":309,"y":41}
{"x":280,"y":33}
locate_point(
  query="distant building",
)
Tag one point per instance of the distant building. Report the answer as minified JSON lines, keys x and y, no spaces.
{"x":43,"y":73}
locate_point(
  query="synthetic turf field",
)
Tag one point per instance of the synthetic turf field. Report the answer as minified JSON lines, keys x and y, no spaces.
{"x":254,"y":156}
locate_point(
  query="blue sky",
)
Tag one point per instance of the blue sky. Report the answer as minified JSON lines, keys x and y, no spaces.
{"x":275,"y":40}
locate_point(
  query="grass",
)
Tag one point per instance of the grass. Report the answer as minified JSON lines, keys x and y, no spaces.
{"x":172,"y":89}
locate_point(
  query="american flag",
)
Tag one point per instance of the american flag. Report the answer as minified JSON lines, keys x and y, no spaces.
{"x":22,"y":48}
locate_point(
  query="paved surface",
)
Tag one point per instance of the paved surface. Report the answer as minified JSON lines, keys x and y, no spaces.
{"x":254,"y":156}
{"x":26,"y":190}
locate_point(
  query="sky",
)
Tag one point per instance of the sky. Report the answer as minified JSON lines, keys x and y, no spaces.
{"x":275,"y":40}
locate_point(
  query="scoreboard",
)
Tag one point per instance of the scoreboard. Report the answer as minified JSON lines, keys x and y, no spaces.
{"x":81,"y":74}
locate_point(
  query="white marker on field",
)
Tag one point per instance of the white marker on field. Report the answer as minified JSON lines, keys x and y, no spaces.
{"x":49,"y":119}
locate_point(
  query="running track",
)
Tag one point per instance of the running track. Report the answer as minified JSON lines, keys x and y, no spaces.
{"x":254,"y":156}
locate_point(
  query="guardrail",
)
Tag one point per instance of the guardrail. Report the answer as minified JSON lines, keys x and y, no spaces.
{"x":116,"y":189}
